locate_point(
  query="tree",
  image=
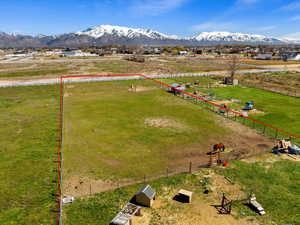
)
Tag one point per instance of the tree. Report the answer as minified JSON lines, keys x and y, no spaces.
{"x":233,"y":66}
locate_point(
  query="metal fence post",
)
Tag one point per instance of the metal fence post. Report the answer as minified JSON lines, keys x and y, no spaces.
{"x":190,"y":168}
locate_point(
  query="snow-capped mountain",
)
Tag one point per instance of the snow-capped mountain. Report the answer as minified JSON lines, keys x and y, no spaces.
{"x":227,"y":37}
{"x":100,"y":31}
{"x":116,"y":35}
{"x":290,"y":40}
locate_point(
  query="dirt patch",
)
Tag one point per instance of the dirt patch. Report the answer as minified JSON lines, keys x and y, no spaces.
{"x":255,"y":112}
{"x":201,"y":211}
{"x":269,"y":158}
{"x":222,"y":102}
{"x":141,"y":89}
{"x":221,"y":185}
{"x":246,"y":141}
{"x":164,"y":123}
{"x":84,"y":186}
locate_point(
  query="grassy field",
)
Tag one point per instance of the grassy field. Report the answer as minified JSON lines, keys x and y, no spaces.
{"x":110,"y":132}
{"x":28,"y":139}
{"x":33,"y":73}
{"x":284,"y":82}
{"x":101,"y":208}
{"x":276,"y":186}
{"x":153,"y":65}
{"x":279,"y":110}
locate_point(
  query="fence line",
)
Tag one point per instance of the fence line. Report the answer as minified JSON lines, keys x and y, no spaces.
{"x":212,"y":105}
{"x":229,"y":113}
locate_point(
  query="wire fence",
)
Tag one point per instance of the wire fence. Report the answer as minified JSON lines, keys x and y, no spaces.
{"x":249,"y":121}
{"x":190,"y":166}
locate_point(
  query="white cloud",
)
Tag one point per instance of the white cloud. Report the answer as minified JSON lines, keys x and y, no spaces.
{"x":295,"y":18}
{"x":292,"y":6}
{"x":212,"y":26}
{"x":266,"y":28}
{"x":155,"y":7}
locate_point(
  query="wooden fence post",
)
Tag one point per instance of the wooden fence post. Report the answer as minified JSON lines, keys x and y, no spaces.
{"x":190,"y":169}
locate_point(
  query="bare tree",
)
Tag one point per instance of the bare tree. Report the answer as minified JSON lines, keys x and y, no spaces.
{"x":233,"y":66}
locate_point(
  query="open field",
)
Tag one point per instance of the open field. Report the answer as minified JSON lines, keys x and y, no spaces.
{"x":33,"y":73}
{"x":268,"y":62}
{"x":109,"y":65}
{"x":284,"y":82}
{"x":115,"y":135}
{"x":28,"y":139}
{"x":273,"y":180}
{"x":278,"y":110}
{"x":274,"y":109}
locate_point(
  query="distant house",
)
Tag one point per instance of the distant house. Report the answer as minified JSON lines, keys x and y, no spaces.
{"x":296,"y":57}
{"x":182,"y":52}
{"x":75,"y":53}
{"x":145,"y":196}
{"x":263,"y":57}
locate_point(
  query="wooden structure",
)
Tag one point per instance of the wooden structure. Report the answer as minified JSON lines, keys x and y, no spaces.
{"x":254,"y":204}
{"x":225,"y":207}
{"x":215,"y":155}
{"x":185,"y":196}
{"x":214,"y":159}
{"x":145,"y":196}
{"x":125,"y":216}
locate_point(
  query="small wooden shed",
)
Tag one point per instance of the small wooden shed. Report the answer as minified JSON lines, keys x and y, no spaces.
{"x":145,"y":196}
{"x":125,"y":216}
{"x":185,"y":196}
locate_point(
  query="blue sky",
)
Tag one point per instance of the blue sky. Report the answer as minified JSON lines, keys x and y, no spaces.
{"x":181,"y":17}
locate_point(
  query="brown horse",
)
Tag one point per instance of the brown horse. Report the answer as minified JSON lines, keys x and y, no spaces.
{"x":219,"y":147}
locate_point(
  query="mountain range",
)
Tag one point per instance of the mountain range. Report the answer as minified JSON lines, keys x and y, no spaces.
{"x":116,"y":35}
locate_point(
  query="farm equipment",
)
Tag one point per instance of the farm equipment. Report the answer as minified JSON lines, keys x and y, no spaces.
{"x":176,"y":89}
{"x":285,"y":146}
{"x":249,"y":106}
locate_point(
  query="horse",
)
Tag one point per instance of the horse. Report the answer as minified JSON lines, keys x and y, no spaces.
{"x":219,"y":147}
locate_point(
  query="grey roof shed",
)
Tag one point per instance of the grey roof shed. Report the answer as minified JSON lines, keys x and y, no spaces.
{"x":145,"y":196}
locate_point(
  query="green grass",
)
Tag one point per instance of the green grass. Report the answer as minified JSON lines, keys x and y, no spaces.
{"x":28,"y":144}
{"x":33,"y":73}
{"x":203,"y":81}
{"x":105,"y":135}
{"x":276,"y":188}
{"x":103,"y":207}
{"x":280,"y":111}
